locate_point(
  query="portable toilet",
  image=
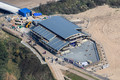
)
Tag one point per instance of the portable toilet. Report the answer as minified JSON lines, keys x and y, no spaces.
{"x":25,"y":12}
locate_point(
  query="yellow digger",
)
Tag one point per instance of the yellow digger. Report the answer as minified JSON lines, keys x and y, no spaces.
{"x":28,"y":24}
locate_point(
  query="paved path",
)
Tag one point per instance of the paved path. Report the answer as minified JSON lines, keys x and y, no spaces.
{"x":55,"y":68}
{"x":37,"y":54}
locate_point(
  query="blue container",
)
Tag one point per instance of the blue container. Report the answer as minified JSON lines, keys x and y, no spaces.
{"x":37,"y":14}
{"x":25,"y":12}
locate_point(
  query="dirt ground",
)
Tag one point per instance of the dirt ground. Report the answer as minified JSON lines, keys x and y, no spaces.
{"x":105,"y":28}
{"x":25,"y":3}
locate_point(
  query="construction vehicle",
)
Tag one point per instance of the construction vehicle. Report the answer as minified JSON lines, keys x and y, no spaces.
{"x":28,"y":24}
{"x":18,"y":21}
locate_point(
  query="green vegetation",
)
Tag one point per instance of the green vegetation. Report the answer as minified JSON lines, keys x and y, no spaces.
{"x":85,"y":74}
{"x":74,"y":76}
{"x":18,"y":63}
{"x":73,"y":6}
{"x":66,"y":78}
{"x":3,"y":59}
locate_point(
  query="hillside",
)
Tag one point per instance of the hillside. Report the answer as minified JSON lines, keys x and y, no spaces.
{"x":104,"y":27}
{"x":18,"y":63}
{"x":73,"y":6}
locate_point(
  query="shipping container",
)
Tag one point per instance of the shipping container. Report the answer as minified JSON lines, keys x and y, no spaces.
{"x":37,"y":14}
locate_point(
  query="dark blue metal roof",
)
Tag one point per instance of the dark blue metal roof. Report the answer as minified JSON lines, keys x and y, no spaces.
{"x":53,"y":41}
{"x":57,"y":44}
{"x":25,"y":10}
{"x":43,"y":32}
{"x":60,"y":26}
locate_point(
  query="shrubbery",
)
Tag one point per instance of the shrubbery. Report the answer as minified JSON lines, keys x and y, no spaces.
{"x":19,"y":61}
{"x":73,"y":6}
{"x":3,"y":59}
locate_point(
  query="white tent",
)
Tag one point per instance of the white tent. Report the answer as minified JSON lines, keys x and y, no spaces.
{"x":8,"y":7}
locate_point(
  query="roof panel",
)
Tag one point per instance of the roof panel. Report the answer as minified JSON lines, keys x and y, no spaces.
{"x":50,"y":36}
{"x":61,"y":46}
{"x":60,"y":26}
{"x":55,"y":43}
{"x":25,"y":10}
{"x":43,"y":32}
{"x":54,"y":46}
{"x":60,"y":42}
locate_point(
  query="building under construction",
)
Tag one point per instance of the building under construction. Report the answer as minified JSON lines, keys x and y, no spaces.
{"x":63,"y":37}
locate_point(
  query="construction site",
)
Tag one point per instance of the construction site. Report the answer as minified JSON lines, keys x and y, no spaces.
{"x":57,"y":35}
{"x":66,"y":40}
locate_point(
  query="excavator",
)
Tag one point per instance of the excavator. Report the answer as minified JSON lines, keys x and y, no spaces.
{"x":28,"y":24}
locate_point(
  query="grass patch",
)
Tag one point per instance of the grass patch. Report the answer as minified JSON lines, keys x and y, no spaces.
{"x":13,"y":68}
{"x":66,"y":78}
{"x":85,"y":74}
{"x":73,"y":76}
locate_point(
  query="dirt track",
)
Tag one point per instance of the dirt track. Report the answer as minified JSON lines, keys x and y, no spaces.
{"x":105,"y":28}
{"x":25,"y":3}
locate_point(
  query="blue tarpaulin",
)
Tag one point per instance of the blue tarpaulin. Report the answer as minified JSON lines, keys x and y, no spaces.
{"x":37,"y":14}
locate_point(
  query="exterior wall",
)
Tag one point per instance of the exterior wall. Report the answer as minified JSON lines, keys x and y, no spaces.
{"x":21,"y":13}
{"x":31,"y":13}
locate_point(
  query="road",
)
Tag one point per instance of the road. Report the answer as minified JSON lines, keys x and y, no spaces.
{"x":36,"y":53}
{"x":54,"y":67}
